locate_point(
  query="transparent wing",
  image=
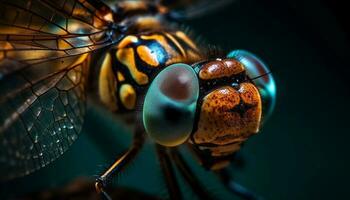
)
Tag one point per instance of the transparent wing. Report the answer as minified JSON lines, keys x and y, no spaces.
{"x":54,"y":29}
{"x":45,"y":49}
{"x":40,"y":119}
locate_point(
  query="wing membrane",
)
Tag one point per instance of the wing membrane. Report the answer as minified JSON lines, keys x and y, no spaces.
{"x":45,"y":50}
{"x":40,"y":118}
{"x":59,"y":17}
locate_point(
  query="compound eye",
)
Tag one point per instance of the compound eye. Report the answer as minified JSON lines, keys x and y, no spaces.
{"x":258,"y":71}
{"x":170,"y":104}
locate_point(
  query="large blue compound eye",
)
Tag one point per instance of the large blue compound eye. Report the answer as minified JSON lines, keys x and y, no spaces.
{"x":258,"y":71}
{"x":170,"y":105}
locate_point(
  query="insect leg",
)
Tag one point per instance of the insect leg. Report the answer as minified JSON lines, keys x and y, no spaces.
{"x":169,"y":174}
{"x":236,"y":188}
{"x":189,"y":176}
{"x":120,"y":163}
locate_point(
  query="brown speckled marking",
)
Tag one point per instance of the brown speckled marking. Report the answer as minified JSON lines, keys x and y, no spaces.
{"x":247,"y":93}
{"x":228,"y":116}
{"x":220,"y":68}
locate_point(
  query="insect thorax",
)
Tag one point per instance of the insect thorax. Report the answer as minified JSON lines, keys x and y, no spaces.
{"x":129,"y":68}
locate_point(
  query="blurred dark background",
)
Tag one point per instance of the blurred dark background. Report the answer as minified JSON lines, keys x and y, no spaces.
{"x":301,"y":153}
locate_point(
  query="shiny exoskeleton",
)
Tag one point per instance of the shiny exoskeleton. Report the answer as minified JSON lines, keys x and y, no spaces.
{"x":143,"y":64}
{"x":229,"y":107}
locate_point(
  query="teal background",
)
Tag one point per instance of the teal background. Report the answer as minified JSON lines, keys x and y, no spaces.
{"x":301,"y":152}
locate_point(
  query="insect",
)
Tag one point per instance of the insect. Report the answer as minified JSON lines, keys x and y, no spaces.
{"x":135,"y":56}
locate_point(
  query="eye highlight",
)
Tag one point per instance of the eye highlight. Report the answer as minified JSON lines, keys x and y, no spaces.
{"x":261,"y":76}
{"x":170,"y":104}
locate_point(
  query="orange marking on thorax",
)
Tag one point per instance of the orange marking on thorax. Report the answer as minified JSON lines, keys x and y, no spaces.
{"x":130,"y":39}
{"x":162,"y":41}
{"x":120,"y":77}
{"x":107,"y":84}
{"x":147,"y":55}
{"x":127,"y":96}
{"x":176,"y":43}
{"x":186,"y":39}
{"x":126,"y":56}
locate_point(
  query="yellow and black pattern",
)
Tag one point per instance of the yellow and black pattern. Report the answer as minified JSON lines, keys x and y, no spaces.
{"x":114,"y":91}
{"x":136,"y":60}
{"x":144,"y":52}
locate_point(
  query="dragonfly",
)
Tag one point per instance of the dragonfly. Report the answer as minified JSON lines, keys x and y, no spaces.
{"x":135,"y":58}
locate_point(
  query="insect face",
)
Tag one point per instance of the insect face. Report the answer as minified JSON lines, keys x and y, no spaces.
{"x":217,"y":102}
{"x":229,"y":109}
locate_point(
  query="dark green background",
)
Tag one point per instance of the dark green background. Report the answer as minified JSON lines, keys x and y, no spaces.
{"x":301,"y":153}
